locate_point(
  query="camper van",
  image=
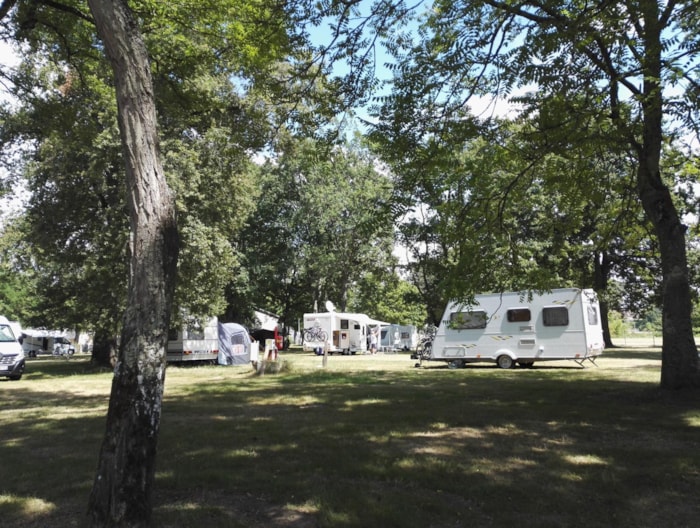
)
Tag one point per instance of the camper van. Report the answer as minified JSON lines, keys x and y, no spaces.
{"x":344,"y":333}
{"x":35,"y":342}
{"x":194,"y":341}
{"x":11,"y":354}
{"x":515,"y":328}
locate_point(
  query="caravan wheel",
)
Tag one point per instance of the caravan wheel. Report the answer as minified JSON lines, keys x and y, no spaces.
{"x":455,"y":364}
{"x":504,"y":361}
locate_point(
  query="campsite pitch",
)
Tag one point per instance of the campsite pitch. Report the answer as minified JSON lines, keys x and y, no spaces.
{"x":370,"y":441}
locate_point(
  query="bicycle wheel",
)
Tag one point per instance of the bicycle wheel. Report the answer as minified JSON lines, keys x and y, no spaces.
{"x":427,"y":350}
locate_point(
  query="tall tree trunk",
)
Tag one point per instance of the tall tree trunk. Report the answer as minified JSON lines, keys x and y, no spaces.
{"x":104,"y":347}
{"x":679,"y":356}
{"x":601,"y":274}
{"x":121,"y":493}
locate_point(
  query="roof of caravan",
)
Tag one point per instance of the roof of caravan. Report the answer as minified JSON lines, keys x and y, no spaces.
{"x":522,"y":297}
{"x":360,"y":318}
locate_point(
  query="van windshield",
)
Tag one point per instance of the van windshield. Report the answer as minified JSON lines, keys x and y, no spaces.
{"x":6,"y":334}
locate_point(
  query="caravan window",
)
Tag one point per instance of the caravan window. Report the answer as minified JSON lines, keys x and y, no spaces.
{"x":238,"y":339}
{"x":592,"y":316}
{"x":519,"y":315}
{"x":344,"y":324}
{"x":468,"y":320}
{"x":555,"y":316}
{"x":194,"y":333}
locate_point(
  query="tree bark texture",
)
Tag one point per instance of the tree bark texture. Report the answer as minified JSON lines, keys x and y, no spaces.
{"x":601,"y":276}
{"x":679,"y":356}
{"x":121,"y":494}
{"x":104,"y":350}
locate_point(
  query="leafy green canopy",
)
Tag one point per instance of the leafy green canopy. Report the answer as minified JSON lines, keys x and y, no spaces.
{"x":227,"y":75}
{"x":503,"y":205}
{"x":321,"y":225}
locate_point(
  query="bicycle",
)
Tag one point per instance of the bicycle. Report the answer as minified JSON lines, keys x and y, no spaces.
{"x":315,"y":335}
{"x":424,"y":350}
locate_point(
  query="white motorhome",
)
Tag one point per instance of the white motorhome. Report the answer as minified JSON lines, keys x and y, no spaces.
{"x":194,"y":341}
{"x":35,"y":342}
{"x":344,"y":333}
{"x":510,"y":328}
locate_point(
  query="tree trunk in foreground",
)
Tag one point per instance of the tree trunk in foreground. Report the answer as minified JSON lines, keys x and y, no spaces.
{"x":679,"y":356}
{"x":121,"y":493}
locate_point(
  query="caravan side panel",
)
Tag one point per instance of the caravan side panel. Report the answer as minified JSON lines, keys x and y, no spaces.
{"x":408,"y":337}
{"x":562,"y":324}
{"x":193,"y":343}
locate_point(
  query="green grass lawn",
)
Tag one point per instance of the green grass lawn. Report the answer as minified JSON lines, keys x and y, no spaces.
{"x":371,"y":441}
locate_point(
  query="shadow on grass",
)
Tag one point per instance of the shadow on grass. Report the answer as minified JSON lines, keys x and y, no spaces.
{"x":652,"y":354}
{"x":51,"y":367}
{"x":417,"y":447}
{"x":372,"y":450}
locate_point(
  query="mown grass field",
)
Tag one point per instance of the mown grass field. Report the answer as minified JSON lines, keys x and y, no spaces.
{"x":371,"y":441}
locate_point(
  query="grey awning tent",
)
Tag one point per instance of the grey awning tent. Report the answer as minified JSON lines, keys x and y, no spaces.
{"x":234,"y":344}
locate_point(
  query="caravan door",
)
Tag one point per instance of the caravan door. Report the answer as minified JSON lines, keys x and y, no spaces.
{"x":592,"y":324}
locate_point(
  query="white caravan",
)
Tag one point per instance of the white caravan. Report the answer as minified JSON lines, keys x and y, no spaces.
{"x":390,"y":339}
{"x":408,"y":337}
{"x":212,"y":342}
{"x":345,"y":333}
{"x":194,"y":342}
{"x":510,"y":328}
{"x":398,"y":337}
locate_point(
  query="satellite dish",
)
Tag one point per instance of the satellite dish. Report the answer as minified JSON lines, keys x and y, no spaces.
{"x":330,"y":306}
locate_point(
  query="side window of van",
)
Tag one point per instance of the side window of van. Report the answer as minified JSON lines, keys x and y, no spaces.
{"x":468,"y":320}
{"x":555,"y":316}
{"x":519,"y":315}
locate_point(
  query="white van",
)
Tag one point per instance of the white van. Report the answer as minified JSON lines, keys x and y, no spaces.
{"x":510,"y":328}
{"x":11,"y":354}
